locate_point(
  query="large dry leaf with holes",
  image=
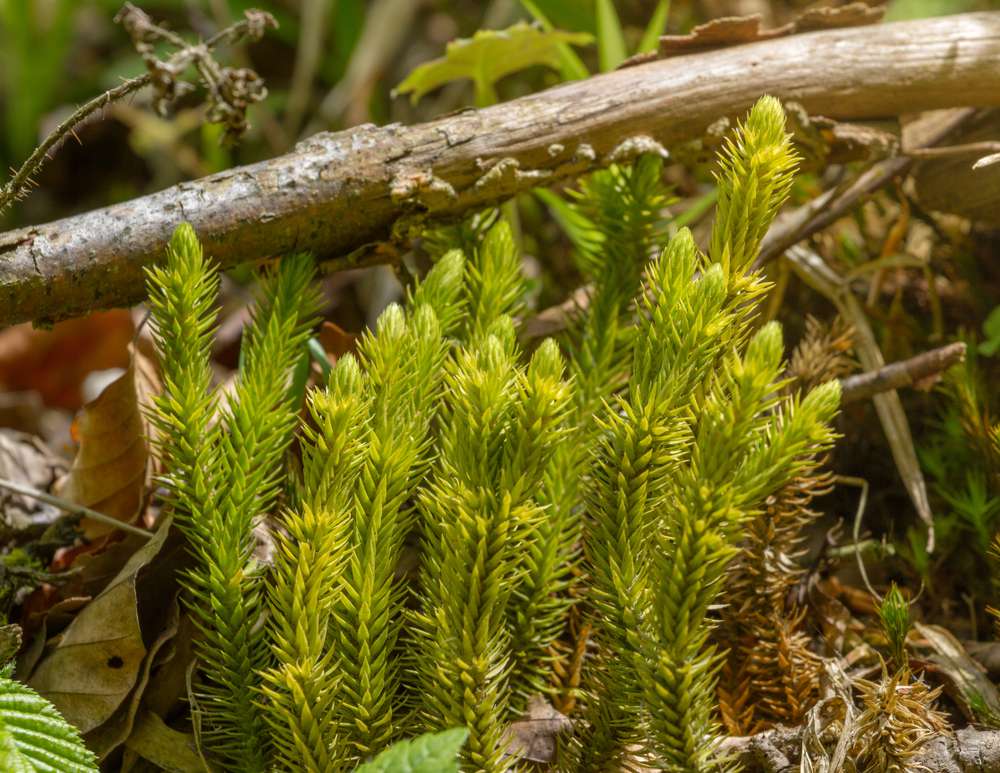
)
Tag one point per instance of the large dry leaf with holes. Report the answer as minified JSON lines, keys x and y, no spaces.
{"x":99,"y":657}
{"x":111,"y":470}
{"x":113,"y":733}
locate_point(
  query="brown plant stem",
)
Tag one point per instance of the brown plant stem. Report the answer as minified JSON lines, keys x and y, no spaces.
{"x":72,"y":507}
{"x":796,"y":225}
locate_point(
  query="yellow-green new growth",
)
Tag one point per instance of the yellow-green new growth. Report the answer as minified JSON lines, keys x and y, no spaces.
{"x":310,"y":558}
{"x":744,"y":448}
{"x":403,"y":362}
{"x":615,"y":222}
{"x":682,"y":329}
{"x":500,"y":425}
{"x":698,"y":441}
{"x":757,"y":171}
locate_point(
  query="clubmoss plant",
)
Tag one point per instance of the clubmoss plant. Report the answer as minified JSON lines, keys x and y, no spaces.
{"x":616,"y":223}
{"x":300,"y":690}
{"x":770,"y":675}
{"x":224,"y":462}
{"x":403,"y":362}
{"x":501,"y":423}
{"x":639,"y":470}
{"x":701,"y":437}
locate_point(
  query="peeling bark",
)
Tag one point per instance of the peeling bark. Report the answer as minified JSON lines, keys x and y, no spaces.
{"x":344,"y":194}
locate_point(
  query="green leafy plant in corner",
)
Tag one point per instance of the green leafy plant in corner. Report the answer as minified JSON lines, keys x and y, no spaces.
{"x":428,"y":753}
{"x":34,"y":738}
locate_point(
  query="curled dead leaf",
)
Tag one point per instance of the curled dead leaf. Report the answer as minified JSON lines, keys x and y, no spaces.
{"x":736,"y":30}
{"x":155,"y":741}
{"x":55,"y":362}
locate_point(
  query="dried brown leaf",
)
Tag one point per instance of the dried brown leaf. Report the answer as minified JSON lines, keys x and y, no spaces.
{"x":111,"y":470}
{"x":737,"y":30}
{"x":153,"y":740}
{"x":99,"y":656}
{"x":119,"y":728}
{"x":534,"y":737}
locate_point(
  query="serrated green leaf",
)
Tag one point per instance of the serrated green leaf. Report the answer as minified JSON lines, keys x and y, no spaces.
{"x":428,"y":753}
{"x":34,"y":738}
{"x":489,"y":56}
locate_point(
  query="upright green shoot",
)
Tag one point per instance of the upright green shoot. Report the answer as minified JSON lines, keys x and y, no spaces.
{"x":310,"y":558}
{"x":403,"y":361}
{"x":617,"y":222}
{"x":501,"y":424}
{"x":698,"y":441}
{"x":223,"y":475}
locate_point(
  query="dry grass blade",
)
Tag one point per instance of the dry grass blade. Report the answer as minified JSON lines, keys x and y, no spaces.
{"x":815,"y":272}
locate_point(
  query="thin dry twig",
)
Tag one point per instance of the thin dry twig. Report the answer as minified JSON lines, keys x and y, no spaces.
{"x":904,"y":373}
{"x":955,"y":150}
{"x":824,"y":210}
{"x":72,"y":507}
{"x":229,"y":90}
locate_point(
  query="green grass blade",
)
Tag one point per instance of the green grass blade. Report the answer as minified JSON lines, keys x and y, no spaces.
{"x":611,"y":50}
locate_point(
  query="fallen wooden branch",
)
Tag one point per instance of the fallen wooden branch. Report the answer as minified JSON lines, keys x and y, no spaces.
{"x":341,"y":195}
{"x":904,"y":373}
{"x":778,"y":751}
